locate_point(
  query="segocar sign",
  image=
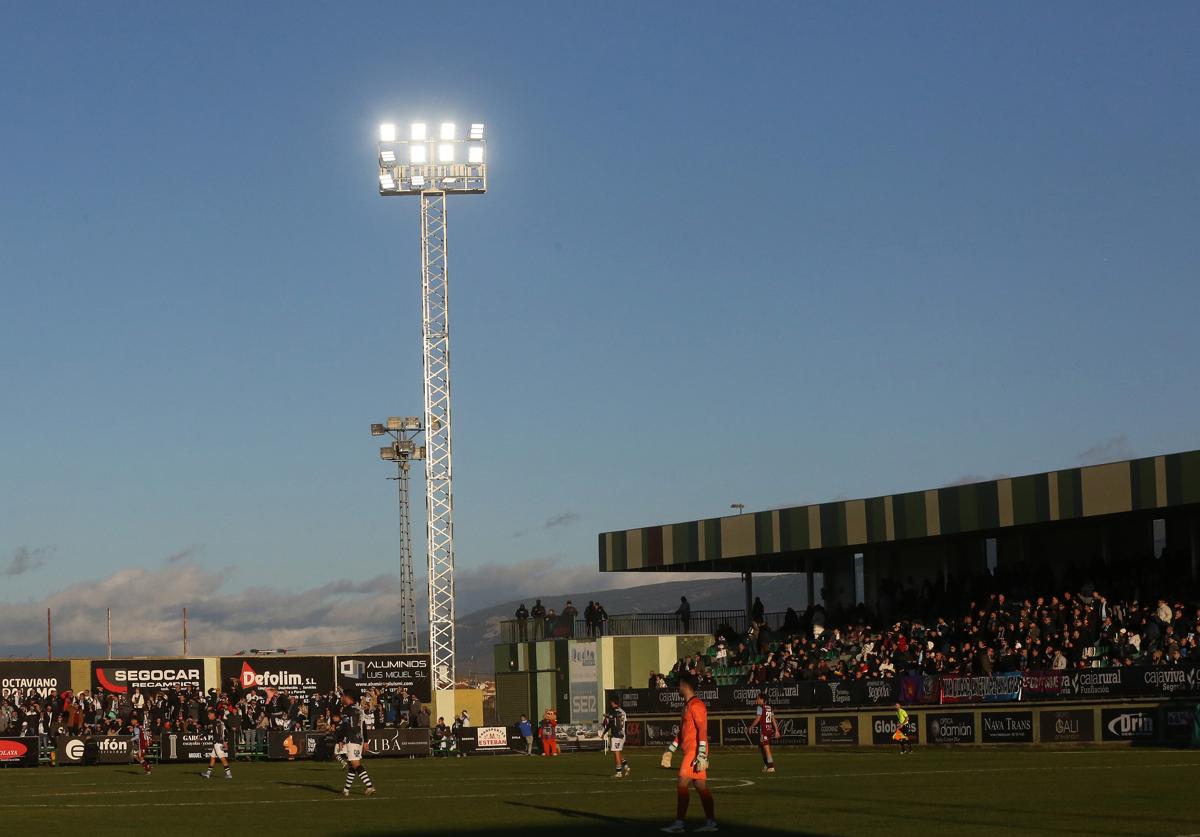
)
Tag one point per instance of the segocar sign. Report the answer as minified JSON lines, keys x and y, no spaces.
{"x":147,"y":675}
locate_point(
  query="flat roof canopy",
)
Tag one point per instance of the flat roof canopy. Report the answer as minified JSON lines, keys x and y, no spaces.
{"x":782,"y":539}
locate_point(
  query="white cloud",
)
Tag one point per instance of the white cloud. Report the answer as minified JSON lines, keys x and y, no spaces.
{"x":340,"y":615}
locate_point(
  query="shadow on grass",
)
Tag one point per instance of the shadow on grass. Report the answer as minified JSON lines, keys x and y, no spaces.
{"x":581,"y":824}
{"x":311,"y":785}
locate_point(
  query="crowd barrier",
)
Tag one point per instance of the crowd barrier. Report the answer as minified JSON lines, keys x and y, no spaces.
{"x":914,"y":689}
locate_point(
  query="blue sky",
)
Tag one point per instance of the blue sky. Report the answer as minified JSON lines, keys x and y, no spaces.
{"x":815,"y":251}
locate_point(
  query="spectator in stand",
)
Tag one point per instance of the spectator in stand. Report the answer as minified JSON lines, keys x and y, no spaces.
{"x":522,"y":623}
{"x":569,"y":615}
{"x":684,"y":613}
{"x":589,"y":618}
{"x":601,"y":619}
{"x":652,"y":683}
{"x":757,"y":611}
{"x":538,"y":614}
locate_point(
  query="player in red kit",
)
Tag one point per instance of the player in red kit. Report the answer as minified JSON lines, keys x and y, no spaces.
{"x":693,"y":771}
{"x":768,"y":731}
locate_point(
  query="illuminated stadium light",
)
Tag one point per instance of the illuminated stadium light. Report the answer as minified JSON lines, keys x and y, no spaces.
{"x":387,"y":132}
{"x":387,"y":156}
{"x":414,"y":172}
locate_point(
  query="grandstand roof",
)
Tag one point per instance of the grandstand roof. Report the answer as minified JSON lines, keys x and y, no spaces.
{"x":740,"y":542}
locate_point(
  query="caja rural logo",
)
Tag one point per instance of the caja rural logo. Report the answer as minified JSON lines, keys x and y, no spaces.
{"x":118,"y":680}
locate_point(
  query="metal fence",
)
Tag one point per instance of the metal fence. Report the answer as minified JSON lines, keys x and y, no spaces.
{"x":630,"y":624}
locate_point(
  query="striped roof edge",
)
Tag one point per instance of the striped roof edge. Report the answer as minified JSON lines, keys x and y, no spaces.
{"x":1073,"y":493}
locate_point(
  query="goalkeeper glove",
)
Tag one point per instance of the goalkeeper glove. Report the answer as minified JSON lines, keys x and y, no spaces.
{"x":666,"y":760}
{"x":700,"y":763}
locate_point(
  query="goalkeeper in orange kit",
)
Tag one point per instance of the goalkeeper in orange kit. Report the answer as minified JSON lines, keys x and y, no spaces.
{"x":693,"y":771}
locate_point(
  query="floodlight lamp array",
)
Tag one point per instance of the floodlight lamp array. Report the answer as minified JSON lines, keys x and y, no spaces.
{"x":432,"y":160}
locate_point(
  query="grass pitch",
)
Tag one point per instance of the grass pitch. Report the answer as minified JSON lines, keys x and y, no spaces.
{"x":817,"y":792}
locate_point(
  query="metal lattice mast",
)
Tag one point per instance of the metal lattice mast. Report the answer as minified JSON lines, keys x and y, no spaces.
{"x":408,"y":604}
{"x":403,"y":450}
{"x":439,"y":488}
{"x":434,"y":168}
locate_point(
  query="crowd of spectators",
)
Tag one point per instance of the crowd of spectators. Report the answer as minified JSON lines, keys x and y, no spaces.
{"x":185,"y":710}
{"x":967,"y":628}
{"x":539,"y":623}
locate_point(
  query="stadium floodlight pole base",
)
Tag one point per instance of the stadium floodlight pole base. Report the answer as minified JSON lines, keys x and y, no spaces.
{"x":444,"y":705}
{"x":439,"y":494}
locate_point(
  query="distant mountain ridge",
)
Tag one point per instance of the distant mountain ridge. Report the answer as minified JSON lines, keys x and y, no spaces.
{"x":476,"y":633}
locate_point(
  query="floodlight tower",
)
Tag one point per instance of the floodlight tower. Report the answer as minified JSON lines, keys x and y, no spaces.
{"x":433,"y":168}
{"x":402,"y":451}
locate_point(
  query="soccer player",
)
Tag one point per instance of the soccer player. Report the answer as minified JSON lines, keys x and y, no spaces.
{"x":693,"y":771}
{"x":548,"y":730}
{"x":768,"y":731}
{"x":614,"y":725}
{"x":216,"y":728}
{"x":352,"y":733}
{"x":339,"y":746}
{"x":901,"y":733}
{"x":141,"y":742}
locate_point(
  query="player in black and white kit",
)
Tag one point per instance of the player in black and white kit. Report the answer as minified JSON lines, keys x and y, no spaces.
{"x":216,"y":728}
{"x":351,"y":734}
{"x":614,"y":725}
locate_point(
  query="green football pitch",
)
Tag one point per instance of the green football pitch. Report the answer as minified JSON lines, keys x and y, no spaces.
{"x":820,"y":792}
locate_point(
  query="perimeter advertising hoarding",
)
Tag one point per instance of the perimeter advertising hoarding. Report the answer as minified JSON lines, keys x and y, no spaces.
{"x":883,"y":727}
{"x":18,"y":751}
{"x":294,"y":676}
{"x":949,"y":728}
{"x":1062,"y":726}
{"x":44,"y":678}
{"x":662,"y":733}
{"x":296,"y":744}
{"x":184,"y":746}
{"x":1128,"y":724}
{"x":397,"y":742}
{"x":104,"y":749}
{"x":123,"y":676}
{"x":1006,"y":727}
{"x":389,"y":671}
{"x":835,"y":729}
{"x":792,"y":732}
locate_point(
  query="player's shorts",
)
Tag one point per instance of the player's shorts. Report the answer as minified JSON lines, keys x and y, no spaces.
{"x":219,"y":752}
{"x":685,"y":769}
{"x":339,"y":749}
{"x":764,"y":740}
{"x":617,"y":745}
{"x":354,"y":752}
